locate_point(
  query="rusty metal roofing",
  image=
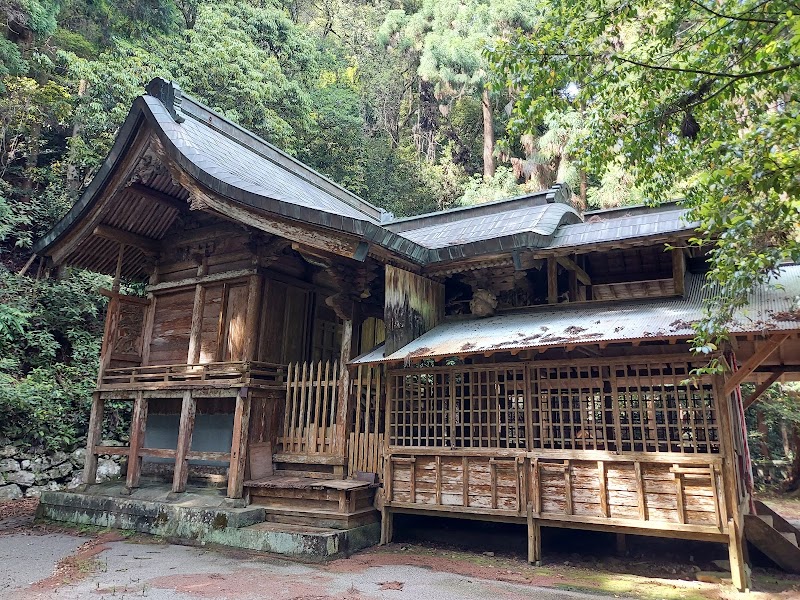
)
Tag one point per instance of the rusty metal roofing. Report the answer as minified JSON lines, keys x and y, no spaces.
{"x":773,"y":307}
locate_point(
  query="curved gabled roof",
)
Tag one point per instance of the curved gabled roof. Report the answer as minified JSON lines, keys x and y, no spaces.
{"x":241,"y":167}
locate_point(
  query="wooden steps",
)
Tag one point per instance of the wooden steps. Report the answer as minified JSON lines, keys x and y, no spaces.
{"x":774,"y":536}
{"x":314,"y":501}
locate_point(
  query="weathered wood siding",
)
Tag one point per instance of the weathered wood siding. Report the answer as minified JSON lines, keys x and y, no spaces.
{"x":637,"y":491}
{"x":413,"y":305}
{"x":172,"y":322}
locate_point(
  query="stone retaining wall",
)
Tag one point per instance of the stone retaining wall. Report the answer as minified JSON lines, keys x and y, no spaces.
{"x":26,"y":473}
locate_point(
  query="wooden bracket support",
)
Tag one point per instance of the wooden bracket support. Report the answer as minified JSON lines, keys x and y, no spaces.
{"x":754,"y":361}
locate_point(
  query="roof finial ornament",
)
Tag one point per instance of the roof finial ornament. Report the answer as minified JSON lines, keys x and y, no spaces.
{"x":170,"y":95}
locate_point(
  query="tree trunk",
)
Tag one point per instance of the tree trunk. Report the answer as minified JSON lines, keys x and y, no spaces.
{"x":583,"y":189}
{"x":488,"y":136}
{"x":73,"y":184}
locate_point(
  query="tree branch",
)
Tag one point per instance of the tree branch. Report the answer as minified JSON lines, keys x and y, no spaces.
{"x":709,"y":73}
{"x":731,"y":17}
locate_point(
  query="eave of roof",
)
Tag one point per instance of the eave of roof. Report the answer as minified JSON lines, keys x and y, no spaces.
{"x":771,"y":308}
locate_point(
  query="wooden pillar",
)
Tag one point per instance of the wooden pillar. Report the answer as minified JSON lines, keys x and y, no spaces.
{"x":534,"y":538}
{"x":111,"y":328}
{"x":622,"y":544}
{"x":138,"y":424}
{"x":552,"y":280}
{"x":343,"y":395}
{"x":195,"y":331}
{"x":730,"y":478}
{"x":739,"y":571}
{"x":241,"y":425}
{"x":387,"y":525}
{"x":678,"y":271}
{"x":93,"y":438}
{"x":185,"y":431}
{"x":251,"y":318}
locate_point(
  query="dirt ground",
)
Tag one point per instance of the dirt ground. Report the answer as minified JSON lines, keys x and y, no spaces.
{"x":105,"y":564}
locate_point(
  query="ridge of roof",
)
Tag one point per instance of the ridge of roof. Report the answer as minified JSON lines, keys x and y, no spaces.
{"x":558,"y":193}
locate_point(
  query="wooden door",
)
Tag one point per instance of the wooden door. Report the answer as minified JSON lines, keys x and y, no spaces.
{"x":285,"y":316}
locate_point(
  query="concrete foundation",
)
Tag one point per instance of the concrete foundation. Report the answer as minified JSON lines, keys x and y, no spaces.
{"x":200,"y":516}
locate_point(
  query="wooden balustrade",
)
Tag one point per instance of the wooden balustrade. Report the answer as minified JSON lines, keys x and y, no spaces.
{"x":213,"y":374}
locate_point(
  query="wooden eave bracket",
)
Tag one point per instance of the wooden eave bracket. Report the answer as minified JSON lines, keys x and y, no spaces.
{"x":571,"y":265}
{"x":755,"y":361}
{"x":759,"y":391}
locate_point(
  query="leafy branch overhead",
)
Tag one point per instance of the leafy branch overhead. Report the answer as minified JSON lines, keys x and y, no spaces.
{"x":694,"y":99}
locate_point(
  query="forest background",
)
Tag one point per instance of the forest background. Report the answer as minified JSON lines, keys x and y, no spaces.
{"x":415,"y":105}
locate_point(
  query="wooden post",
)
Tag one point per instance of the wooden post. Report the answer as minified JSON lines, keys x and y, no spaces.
{"x":622,"y":544}
{"x":552,"y":280}
{"x":387,"y":525}
{"x":730,"y":481}
{"x":185,"y":431}
{"x":343,"y":401}
{"x":195,"y":331}
{"x":93,"y":438}
{"x":678,"y":271}
{"x":110,"y":330}
{"x":251,"y":318}
{"x":241,"y":425}
{"x":138,"y":425}
{"x":739,"y":570}
{"x":534,"y":538}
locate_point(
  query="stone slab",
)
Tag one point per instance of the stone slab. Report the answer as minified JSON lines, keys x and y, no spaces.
{"x":186,"y":520}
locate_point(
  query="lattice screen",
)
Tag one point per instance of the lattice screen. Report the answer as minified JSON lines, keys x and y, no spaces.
{"x":642,"y":407}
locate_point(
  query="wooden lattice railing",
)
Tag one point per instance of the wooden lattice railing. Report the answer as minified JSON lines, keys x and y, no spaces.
{"x":365,"y":442}
{"x":309,"y":425}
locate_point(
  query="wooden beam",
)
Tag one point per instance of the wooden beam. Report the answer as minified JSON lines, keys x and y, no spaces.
{"x":160,"y":197}
{"x":206,"y":279}
{"x":754,"y":361}
{"x":147,"y":245}
{"x":759,"y":391}
{"x":552,"y":281}
{"x":572,"y":266}
{"x":185,"y":431}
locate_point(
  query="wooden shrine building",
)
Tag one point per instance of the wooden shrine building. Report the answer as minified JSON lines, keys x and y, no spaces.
{"x":514,"y":361}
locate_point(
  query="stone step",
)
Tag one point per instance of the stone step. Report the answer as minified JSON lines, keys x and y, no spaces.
{"x":792,"y":537}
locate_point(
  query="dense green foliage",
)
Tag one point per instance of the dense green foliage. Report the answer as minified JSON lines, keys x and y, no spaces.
{"x":690,"y":98}
{"x":384,"y":97}
{"x":395,"y":99}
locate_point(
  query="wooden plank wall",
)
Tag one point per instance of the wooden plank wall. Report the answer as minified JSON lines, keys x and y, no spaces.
{"x":172,"y":322}
{"x":636,"y":491}
{"x":413,"y":305}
